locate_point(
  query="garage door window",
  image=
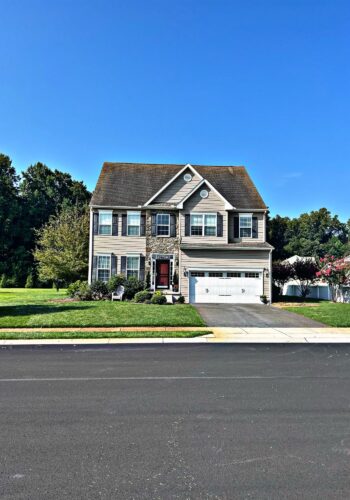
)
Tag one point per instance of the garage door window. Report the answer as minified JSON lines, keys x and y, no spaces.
{"x":215,"y":275}
{"x":233,"y":275}
{"x":197,"y":274}
{"x":251,"y":275}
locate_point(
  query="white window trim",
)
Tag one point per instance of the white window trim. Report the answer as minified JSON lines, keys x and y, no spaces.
{"x":133,"y":212}
{"x":99,"y":225}
{"x":163,"y":235}
{"x":203,"y":235}
{"x":104,"y":268}
{"x":129,"y":269}
{"x":251,"y":225}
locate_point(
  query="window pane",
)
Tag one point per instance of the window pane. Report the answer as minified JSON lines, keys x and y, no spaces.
{"x":197,"y":274}
{"x":196,"y":230}
{"x":133,"y":263}
{"x":210,"y":231}
{"x":234,"y":275}
{"x":210,"y":220}
{"x":251,"y":275}
{"x":215,"y":275}
{"x":196,"y":220}
{"x":103,"y":275}
{"x":134,"y":218}
{"x":130,"y":273}
{"x":245,"y":221}
{"x":163,"y":219}
{"x":133,"y":230}
{"x":245,"y":232}
{"x":103,"y":262}
{"x":163,"y":230}
{"x":105,"y":218}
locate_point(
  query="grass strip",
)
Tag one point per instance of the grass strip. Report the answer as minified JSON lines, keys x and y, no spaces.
{"x":99,"y":335}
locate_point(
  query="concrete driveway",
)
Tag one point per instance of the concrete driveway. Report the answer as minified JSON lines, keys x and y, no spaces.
{"x":252,"y":315}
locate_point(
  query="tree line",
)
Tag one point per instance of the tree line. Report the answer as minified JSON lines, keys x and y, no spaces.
{"x":28,"y":202}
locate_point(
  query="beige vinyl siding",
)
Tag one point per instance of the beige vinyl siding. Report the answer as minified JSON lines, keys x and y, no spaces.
{"x":223,"y":260}
{"x":195,"y":204}
{"x":178,"y":190}
{"x":119,"y":245}
{"x":261,"y":229}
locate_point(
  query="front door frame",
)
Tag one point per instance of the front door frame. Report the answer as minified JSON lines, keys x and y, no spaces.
{"x":154,"y":258}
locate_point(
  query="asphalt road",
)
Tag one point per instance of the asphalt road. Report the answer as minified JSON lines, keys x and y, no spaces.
{"x":163,"y":422}
{"x":253,"y":315}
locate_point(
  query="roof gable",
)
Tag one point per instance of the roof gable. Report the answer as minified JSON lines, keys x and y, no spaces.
{"x":202,"y":185}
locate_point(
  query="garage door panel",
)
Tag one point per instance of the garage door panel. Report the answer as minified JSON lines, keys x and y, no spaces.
{"x":225,"y":290}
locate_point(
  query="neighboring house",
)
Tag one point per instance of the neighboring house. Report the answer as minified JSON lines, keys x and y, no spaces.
{"x":319,"y":290}
{"x":205,"y":225}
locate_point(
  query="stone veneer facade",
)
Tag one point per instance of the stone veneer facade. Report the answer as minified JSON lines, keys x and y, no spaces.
{"x":161,"y":245}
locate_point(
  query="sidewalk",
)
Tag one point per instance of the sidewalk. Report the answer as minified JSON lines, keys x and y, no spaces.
{"x":326,"y":335}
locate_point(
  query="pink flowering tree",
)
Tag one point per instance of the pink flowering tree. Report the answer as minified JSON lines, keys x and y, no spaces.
{"x":335,"y":272}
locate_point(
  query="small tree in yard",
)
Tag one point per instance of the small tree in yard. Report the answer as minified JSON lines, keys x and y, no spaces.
{"x":62,"y":249}
{"x":282,"y":272}
{"x":335,"y":272}
{"x":305,"y":273}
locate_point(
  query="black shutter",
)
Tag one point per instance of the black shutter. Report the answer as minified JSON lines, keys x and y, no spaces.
{"x":255,"y":227}
{"x":143,"y":225}
{"x":187,"y":224}
{"x":220,"y":225}
{"x":154,"y":223}
{"x":142,"y":268}
{"x":113,"y":265}
{"x":115,"y":225}
{"x":123,"y":265}
{"x":236,"y":226}
{"x":95,"y":222}
{"x":173,"y":225}
{"x":124,"y":224}
{"x":94,"y":268}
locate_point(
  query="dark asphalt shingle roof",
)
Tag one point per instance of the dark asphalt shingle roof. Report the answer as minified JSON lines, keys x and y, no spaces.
{"x":133,"y":184}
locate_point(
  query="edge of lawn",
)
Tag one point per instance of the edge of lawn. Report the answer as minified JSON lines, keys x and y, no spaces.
{"x":100,"y":335}
{"x":323,"y":317}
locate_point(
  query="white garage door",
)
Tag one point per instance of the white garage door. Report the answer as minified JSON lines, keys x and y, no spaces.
{"x":239,"y":287}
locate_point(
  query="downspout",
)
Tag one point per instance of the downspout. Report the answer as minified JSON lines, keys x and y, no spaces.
{"x":90,"y":247}
{"x":270,"y":274}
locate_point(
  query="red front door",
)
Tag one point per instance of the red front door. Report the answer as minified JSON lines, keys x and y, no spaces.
{"x":162,"y":270}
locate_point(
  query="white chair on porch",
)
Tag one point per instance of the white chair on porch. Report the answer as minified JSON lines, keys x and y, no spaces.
{"x":118,"y":294}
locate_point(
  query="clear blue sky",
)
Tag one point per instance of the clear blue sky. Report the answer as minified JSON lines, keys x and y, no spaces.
{"x":263,"y":84}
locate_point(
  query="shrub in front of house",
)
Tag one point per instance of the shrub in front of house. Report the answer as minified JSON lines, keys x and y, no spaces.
{"x":132,"y":285}
{"x":158,"y":298}
{"x":180,"y":299}
{"x":143,"y":296}
{"x":80,"y":290}
{"x":114,"y":282}
{"x":73,"y":288}
{"x":99,"y":290}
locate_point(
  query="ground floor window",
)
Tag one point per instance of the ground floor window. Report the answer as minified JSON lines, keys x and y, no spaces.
{"x":103,"y":267}
{"x":132,"y":267}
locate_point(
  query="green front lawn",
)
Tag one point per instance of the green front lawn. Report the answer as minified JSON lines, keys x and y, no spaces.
{"x":35,"y":308}
{"x":99,"y":335}
{"x":337,"y":315}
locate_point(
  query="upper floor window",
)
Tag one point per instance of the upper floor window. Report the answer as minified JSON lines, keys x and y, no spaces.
{"x":105,"y":222}
{"x":132,"y":266}
{"x":245,"y":225}
{"x":134,"y":222}
{"x":163,"y":225}
{"x":203,"y":224}
{"x":103,"y":267}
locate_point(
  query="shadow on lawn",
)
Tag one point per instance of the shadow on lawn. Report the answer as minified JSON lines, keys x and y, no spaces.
{"x":30,"y":310}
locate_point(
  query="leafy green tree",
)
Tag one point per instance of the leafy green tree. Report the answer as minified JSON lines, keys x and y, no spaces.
{"x":277,"y":236}
{"x":62,"y":251}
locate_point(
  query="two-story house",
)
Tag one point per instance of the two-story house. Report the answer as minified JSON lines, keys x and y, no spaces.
{"x":204,"y":224}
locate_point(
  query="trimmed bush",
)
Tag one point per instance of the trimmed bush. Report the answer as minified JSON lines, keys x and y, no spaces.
{"x":114,"y":282}
{"x":73,"y":288}
{"x":143,"y":296}
{"x":99,"y":290}
{"x":132,"y":286}
{"x":180,"y":300}
{"x":84,"y":292}
{"x":158,"y":298}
